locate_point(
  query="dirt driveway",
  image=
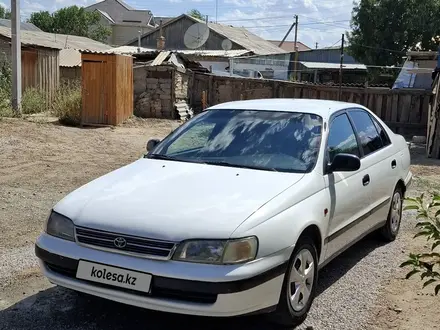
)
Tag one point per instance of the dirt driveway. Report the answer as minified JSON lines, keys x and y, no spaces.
{"x":40,"y":162}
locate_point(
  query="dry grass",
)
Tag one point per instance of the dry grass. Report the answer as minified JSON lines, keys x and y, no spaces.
{"x":67,"y":104}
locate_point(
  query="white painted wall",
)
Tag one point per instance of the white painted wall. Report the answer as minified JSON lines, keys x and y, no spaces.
{"x":217,"y":66}
{"x":278,"y":63}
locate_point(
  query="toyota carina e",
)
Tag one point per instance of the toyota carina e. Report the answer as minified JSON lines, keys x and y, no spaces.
{"x":234,"y":212}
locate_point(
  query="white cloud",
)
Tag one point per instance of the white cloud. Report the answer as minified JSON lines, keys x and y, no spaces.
{"x":321,"y":21}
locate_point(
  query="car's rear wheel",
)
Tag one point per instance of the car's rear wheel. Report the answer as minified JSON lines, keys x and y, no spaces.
{"x":391,"y":228}
{"x":299,"y":286}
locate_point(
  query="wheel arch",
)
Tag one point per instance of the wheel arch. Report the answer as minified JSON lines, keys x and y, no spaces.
{"x":401,"y":184}
{"x":314,"y":233}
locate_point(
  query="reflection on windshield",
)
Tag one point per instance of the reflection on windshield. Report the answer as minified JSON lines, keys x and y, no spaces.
{"x":282,"y":141}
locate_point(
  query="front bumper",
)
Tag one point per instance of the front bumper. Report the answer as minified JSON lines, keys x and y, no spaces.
{"x":214,"y":291}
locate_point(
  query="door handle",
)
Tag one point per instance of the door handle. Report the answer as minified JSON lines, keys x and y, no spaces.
{"x":393,"y":163}
{"x":366,"y":180}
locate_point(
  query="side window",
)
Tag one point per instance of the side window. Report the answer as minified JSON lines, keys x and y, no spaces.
{"x":383,"y":135}
{"x":341,"y":138}
{"x":366,"y":130}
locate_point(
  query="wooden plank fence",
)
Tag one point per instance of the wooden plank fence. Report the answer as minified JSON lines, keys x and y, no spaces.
{"x":405,"y":111}
{"x":433,"y":134}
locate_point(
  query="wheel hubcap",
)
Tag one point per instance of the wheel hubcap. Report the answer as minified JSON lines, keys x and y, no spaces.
{"x":302,"y":275}
{"x":396,"y":212}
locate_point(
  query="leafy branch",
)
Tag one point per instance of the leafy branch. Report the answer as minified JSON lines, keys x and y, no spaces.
{"x":426,"y":265}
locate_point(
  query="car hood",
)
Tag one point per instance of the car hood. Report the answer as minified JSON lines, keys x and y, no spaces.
{"x":173,"y":200}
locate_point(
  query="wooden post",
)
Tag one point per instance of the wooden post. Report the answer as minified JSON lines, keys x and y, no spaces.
{"x":203,"y":100}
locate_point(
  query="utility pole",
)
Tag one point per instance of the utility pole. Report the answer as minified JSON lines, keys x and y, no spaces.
{"x":340,"y":67}
{"x":296,"y":48}
{"x":16,"y":55}
{"x":287,"y":34}
{"x":216,"y":10}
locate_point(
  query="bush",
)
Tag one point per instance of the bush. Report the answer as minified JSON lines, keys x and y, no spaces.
{"x":427,"y":264}
{"x":33,"y":101}
{"x":67,"y":104}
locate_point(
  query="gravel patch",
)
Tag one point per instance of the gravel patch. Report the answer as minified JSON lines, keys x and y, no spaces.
{"x":16,"y":260}
{"x":351,"y":284}
{"x":41,"y":163}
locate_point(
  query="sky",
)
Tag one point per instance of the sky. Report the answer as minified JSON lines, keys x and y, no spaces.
{"x":321,"y":21}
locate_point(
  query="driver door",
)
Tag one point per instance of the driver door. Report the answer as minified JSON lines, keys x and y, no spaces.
{"x":349,"y":191}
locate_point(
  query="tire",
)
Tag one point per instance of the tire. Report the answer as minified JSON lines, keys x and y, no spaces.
{"x":391,"y":228}
{"x":287,"y":314}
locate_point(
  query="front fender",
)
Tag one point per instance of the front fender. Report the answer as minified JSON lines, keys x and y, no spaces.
{"x":284,"y":228}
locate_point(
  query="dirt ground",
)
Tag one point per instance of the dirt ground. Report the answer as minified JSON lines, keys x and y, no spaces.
{"x":41,"y":161}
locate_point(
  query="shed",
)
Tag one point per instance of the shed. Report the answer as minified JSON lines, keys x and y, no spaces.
{"x":70,"y":64}
{"x":107,"y":88}
{"x":39,"y":58}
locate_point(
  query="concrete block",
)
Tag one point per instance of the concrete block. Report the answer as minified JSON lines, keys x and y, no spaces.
{"x":152,"y":80}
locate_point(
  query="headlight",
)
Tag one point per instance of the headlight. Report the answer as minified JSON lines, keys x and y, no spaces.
{"x":218,"y":251}
{"x":60,"y":226}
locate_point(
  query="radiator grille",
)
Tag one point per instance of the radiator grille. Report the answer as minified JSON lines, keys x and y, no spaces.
{"x":139,"y":246}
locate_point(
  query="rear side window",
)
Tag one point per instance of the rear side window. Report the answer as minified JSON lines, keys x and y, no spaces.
{"x":366,"y":130}
{"x":341,"y":138}
{"x":383,"y":135}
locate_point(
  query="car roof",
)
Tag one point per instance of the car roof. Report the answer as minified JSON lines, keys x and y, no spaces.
{"x":323,"y":108}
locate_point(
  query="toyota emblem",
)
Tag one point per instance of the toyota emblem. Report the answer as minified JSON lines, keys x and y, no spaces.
{"x":120,"y":242}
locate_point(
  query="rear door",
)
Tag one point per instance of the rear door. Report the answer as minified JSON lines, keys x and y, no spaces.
{"x":379,"y":160}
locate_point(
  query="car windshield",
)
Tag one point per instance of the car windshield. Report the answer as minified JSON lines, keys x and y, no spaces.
{"x":266,"y":140}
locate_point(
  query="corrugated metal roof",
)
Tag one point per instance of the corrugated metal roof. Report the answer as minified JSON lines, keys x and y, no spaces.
{"x":160,"y":58}
{"x":70,"y":58}
{"x":133,"y":50}
{"x":322,"y":65}
{"x":28,"y":38}
{"x":57,"y":41}
{"x":214,"y":53}
{"x":24,"y":26}
{"x":289,"y":46}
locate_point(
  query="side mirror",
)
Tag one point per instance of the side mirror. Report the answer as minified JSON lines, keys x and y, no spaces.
{"x":344,"y":163}
{"x":151,"y":144}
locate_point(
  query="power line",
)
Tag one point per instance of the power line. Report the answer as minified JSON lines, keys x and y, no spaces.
{"x":334,"y":44}
{"x":279,"y":26}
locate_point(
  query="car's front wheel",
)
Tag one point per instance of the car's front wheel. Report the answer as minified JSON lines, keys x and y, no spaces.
{"x":299,"y":285}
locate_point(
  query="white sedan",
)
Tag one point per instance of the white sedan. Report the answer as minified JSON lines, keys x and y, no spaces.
{"x":234,"y":212}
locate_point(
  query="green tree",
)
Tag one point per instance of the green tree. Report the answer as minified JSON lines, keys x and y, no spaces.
{"x":5,"y":13}
{"x":383,"y":30}
{"x":72,"y":20}
{"x":196,"y":14}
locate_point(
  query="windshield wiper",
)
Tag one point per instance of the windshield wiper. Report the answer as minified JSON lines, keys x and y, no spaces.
{"x":159,"y":156}
{"x":253,"y":167}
